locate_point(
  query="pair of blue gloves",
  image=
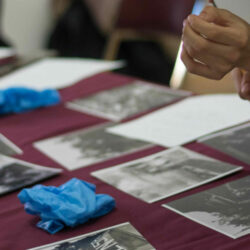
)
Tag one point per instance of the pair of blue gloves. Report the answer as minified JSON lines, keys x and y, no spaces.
{"x":17,"y":100}
{"x":70,"y":204}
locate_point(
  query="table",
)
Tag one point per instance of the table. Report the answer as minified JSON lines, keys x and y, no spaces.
{"x":12,"y":63}
{"x":164,"y":229}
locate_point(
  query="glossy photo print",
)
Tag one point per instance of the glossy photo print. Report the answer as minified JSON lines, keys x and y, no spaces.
{"x":164,"y":174}
{"x":234,"y":142}
{"x":122,"y":102}
{"x":119,"y":237}
{"x":16,"y":174}
{"x":84,"y":147}
{"x":224,"y":209}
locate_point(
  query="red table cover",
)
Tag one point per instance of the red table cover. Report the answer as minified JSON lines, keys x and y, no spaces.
{"x":163,"y":228}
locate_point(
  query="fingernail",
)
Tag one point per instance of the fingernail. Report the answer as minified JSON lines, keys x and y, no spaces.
{"x":245,"y":87}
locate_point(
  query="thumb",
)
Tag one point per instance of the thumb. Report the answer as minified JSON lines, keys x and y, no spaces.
{"x":245,"y":86}
{"x":215,"y":15}
{"x":237,"y":76}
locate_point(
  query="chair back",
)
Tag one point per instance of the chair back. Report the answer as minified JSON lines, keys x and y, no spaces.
{"x":157,"y":15}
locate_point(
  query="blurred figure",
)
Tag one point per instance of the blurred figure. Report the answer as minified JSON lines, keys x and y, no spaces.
{"x":144,"y":33}
{"x":75,"y":34}
{"x":3,"y":42}
{"x":104,"y":13}
{"x":215,"y":43}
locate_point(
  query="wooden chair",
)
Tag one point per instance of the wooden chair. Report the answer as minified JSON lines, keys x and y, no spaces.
{"x":156,"y":20}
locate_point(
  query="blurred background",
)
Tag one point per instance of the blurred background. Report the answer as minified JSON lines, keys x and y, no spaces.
{"x":146,"y":33}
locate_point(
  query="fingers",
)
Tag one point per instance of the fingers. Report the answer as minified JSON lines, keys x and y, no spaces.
{"x":206,"y":51}
{"x":245,"y":86}
{"x":237,"y":78}
{"x":216,"y":33}
{"x":242,"y":83}
{"x":218,"y":16}
{"x":198,"y":68}
{"x":216,"y":42}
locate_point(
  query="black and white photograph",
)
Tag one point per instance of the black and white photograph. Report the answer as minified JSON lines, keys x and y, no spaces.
{"x":84,"y":147}
{"x":225,"y":208}
{"x":7,"y":147}
{"x":234,"y":142}
{"x":125,"y":101}
{"x":123,"y":237}
{"x":164,"y":174}
{"x":16,"y":174}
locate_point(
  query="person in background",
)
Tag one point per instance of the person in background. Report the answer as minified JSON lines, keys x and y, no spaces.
{"x":215,"y":43}
{"x":3,"y":41}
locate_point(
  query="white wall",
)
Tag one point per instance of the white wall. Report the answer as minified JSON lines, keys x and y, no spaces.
{"x":26,"y":23}
{"x":239,"y":7}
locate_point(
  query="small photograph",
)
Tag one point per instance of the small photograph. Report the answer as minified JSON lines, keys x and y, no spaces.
{"x":225,"y":208}
{"x":87,"y":146}
{"x":122,"y":237}
{"x":164,"y":174}
{"x":16,"y":174}
{"x":234,"y":142}
{"x":125,"y":101}
{"x":7,"y":147}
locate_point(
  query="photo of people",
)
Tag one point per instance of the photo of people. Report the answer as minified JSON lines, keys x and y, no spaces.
{"x":234,"y":142}
{"x":87,"y":146}
{"x":122,"y":237}
{"x":164,"y":174}
{"x":125,"y":101}
{"x":224,"y":208}
{"x":15,"y":174}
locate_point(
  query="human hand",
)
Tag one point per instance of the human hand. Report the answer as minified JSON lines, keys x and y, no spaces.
{"x":242,"y":82}
{"x":215,"y":42}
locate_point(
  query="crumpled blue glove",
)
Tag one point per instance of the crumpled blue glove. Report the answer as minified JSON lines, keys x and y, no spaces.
{"x":17,"y":100}
{"x":70,"y":204}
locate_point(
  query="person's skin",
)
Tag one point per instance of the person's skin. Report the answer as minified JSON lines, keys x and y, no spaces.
{"x":215,"y":43}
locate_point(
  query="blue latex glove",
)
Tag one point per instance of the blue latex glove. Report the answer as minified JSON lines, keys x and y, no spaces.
{"x":17,"y":100}
{"x":70,"y":204}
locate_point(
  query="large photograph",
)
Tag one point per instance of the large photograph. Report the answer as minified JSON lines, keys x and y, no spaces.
{"x":119,"y":237}
{"x":224,"y":208}
{"x":164,"y":174}
{"x":7,"y":147}
{"x":125,"y":101}
{"x":16,"y":174}
{"x":87,"y":146}
{"x":234,"y":142}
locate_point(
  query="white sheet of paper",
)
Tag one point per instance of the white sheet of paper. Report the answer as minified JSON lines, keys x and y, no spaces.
{"x":56,"y":73}
{"x":187,"y":120}
{"x":6,"y":52}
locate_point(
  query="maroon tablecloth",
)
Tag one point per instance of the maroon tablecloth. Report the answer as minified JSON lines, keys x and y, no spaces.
{"x":163,"y":228}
